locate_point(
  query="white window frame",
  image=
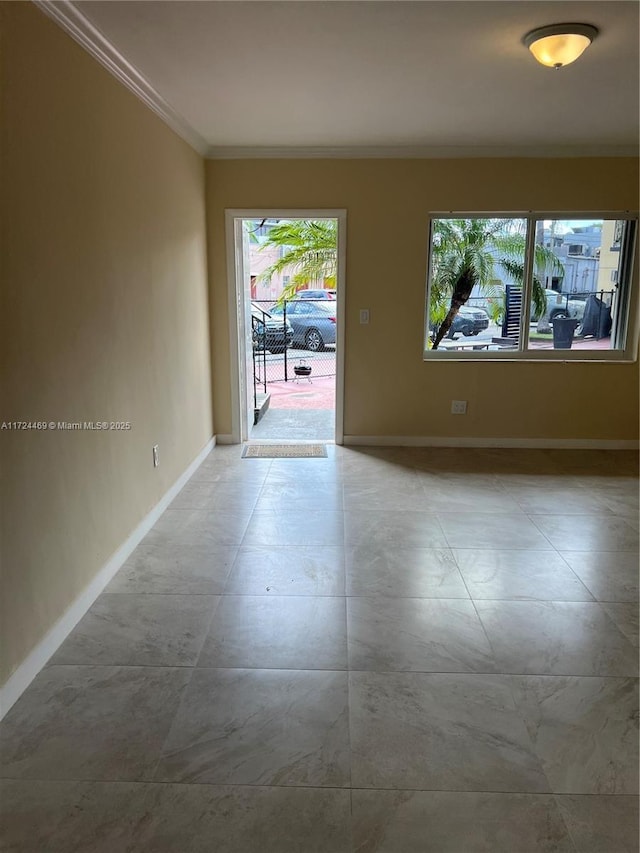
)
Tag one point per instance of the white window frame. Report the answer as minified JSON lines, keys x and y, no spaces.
{"x":628,"y":298}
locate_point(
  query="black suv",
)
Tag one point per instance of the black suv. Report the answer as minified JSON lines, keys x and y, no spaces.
{"x":470,"y":321}
{"x":270,"y":333}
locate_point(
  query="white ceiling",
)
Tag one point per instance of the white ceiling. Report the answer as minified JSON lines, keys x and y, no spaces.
{"x":391,"y":76}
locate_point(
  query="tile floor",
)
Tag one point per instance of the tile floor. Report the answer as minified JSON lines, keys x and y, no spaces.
{"x":398,"y":650}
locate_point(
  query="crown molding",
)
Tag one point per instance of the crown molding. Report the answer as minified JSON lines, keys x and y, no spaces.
{"x":416,"y":152}
{"x":81,"y":30}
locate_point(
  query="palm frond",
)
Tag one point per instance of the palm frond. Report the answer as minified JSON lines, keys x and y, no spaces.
{"x":309,"y":251}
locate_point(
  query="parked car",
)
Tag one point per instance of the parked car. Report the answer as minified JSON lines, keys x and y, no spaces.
{"x":314,"y":323}
{"x":560,"y":305}
{"x":469,"y":321}
{"x":315,"y":294}
{"x":493,"y":305}
{"x":268,"y":332}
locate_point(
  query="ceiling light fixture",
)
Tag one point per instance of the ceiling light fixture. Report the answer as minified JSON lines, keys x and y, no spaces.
{"x":559,"y":44}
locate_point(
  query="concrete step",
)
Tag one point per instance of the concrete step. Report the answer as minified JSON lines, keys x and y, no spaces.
{"x":262,"y":404}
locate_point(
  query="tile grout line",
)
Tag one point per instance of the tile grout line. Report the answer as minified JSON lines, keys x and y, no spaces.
{"x":337,"y":788}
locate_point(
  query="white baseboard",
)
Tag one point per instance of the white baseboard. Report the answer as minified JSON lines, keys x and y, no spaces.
{"x":534,"y":443}
{"x":13,"y":688}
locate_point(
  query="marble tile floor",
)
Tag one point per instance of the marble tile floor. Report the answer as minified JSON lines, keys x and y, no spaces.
{"x":389,"y":650}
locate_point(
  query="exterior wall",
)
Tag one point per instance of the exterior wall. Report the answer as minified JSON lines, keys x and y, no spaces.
{"x":609,"y":259}
{"x":106,"y":313}
{"x":389,"y":389}
{"x":259,"y":260}
{"x":261,"y":257}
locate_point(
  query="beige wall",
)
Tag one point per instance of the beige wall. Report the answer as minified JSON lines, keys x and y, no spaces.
{"x":104,"y":274}
{"x":389,"y":390}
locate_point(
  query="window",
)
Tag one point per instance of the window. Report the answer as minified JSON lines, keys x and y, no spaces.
{"x":529,"y":287}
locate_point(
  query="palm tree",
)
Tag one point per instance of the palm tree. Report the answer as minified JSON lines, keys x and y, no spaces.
{"x":465,"y":253}
{"x":461,"y":259}
{"x":310,"y":249}
{"x":511,"y":250}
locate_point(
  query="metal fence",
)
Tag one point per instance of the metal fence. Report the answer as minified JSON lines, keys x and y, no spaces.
{"x":293,"y":341}
{"x":593,"y":310}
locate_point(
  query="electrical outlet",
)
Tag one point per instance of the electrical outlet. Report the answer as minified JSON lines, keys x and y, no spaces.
{"x":156,"y":456}
{"x":458,"y":407}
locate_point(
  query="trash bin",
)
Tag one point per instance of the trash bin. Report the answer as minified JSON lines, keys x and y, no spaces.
{"x":563,"y":329}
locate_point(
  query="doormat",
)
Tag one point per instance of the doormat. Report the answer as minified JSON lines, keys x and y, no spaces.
{"x":283,"y":451}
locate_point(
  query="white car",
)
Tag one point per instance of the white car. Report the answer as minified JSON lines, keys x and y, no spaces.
{"x":560,"y":305}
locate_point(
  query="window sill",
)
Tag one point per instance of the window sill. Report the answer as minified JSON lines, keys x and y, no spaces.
{"x":540,"y":357}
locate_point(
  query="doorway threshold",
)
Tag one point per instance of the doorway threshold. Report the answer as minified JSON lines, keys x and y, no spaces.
{"x":267,"y":442}
{"x":284,"y":425}
{"x":261,"y":407}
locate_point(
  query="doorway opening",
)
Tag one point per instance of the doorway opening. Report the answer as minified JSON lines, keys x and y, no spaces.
{"x":287,"y":298}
